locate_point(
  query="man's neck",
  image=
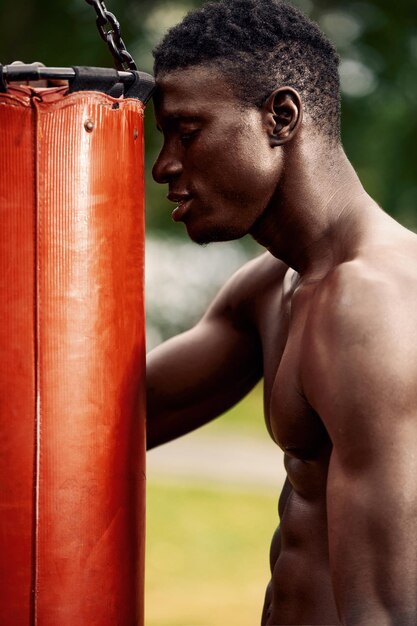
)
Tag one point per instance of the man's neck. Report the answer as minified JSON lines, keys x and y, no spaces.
{"x":320,"y":214}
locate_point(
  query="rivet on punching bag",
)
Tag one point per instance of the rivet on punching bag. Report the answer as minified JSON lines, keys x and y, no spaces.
{"x":72,"y":424}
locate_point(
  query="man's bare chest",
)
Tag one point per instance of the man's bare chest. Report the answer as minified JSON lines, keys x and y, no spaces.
{"x":291,"y":422}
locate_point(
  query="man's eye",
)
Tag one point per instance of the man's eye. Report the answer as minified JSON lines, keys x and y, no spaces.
{"x":188,"y":135}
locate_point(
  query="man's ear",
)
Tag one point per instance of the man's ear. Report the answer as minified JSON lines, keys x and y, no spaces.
{"x":283,"y":113}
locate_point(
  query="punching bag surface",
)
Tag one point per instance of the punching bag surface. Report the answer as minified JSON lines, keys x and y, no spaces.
{"x":72,"y":359}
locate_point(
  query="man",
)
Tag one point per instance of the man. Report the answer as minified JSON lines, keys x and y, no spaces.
{"x":248,"y":102}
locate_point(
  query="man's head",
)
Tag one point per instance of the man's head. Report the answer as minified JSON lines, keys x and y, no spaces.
{"x":259,"y":45}
{"x":236,"y":81}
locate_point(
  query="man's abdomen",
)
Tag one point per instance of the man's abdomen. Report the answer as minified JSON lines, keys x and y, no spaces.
{"x":300,"y":591}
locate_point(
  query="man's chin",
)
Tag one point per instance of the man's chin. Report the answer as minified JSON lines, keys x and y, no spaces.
{"x":207,"y":235}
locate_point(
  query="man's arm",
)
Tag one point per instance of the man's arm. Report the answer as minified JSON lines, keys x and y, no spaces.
{"x":360,"y":376}
{"x":201,"y":373}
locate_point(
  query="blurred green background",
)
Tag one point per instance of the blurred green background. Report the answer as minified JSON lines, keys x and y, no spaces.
{"x":207,"y":543}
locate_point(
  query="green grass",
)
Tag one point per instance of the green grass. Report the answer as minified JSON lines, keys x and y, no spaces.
{"x":207,"y":547}
{"x":207,"y":555}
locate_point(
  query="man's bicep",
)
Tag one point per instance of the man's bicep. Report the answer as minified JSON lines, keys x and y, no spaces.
{"x":199,"y":374}
{"x":206,"y":359}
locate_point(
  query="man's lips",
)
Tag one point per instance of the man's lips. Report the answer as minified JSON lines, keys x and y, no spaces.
{"x":183,"y":201}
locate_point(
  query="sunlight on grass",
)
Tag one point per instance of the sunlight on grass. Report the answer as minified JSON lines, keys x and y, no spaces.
{"x":207,"y":555}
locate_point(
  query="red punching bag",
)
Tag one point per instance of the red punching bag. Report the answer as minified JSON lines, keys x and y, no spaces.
{"x":72,"y":424}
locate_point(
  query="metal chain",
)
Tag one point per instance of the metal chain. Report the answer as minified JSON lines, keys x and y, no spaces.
{"x":109,"y":29}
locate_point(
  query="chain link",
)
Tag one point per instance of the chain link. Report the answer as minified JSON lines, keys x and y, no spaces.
{"x":109,"y":29}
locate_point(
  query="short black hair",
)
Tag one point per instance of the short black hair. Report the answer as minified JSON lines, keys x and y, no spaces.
{"x":259,"y":45}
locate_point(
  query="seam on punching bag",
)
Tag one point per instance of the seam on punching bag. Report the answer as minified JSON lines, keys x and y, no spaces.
{"x":36,"y":235}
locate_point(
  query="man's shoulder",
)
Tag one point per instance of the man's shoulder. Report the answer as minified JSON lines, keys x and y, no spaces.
{"x":372,"y":295}
{"x":247,"y":291}
{"x":255,"y":278}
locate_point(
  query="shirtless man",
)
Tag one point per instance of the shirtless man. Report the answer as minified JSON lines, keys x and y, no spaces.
{"x":248,"y":103}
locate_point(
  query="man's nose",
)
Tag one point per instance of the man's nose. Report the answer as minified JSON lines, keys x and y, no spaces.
{"x":166,"y":167}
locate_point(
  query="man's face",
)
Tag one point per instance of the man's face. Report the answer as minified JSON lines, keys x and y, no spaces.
{"x":216,"y":158}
